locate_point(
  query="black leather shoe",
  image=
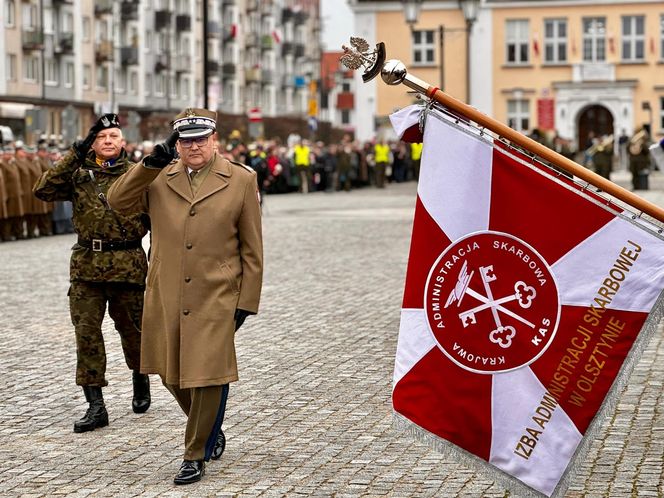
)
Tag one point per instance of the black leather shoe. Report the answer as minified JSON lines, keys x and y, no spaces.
{"x":190,"y":471}
{"x":96,"y":414}
{"x":141,"y":401}
{"x":219,"y":446}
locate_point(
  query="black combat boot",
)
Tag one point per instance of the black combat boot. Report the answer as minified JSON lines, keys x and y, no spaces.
{"x":96,"y":415}
{"x":141,"y":401}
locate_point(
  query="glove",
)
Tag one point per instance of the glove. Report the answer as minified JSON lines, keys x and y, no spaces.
{"x":81,"y":147}
{"x":163,"y":153}
{"x":240,"y":317}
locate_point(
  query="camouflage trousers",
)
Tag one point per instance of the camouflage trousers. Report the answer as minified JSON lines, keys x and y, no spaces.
{"x":87,"y":304}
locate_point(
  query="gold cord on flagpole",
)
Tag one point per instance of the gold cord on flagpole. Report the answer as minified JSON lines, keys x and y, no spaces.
{"x":394,"y":72}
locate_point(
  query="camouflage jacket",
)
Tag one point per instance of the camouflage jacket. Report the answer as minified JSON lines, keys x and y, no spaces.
{"x":69,"y":180}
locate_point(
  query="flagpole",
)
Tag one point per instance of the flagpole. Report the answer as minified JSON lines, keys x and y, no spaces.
{"x":394,"y":72}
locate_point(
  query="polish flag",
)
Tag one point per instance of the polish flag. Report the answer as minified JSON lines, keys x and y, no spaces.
{"x":276,"y":34}
{"x":525,"y":300}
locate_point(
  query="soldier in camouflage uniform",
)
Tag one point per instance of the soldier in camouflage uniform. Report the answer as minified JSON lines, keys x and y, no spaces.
{"x":108,"y":264}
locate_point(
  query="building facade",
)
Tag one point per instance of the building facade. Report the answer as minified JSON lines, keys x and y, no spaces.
{"x":65,"y":61}
{"x":563,"y":66}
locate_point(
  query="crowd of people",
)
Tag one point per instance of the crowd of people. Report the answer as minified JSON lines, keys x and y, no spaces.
{"x":297,"y":165}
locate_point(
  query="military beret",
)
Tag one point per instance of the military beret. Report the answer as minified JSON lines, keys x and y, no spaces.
{"x":195,"y":123}
{"x":108,"y":120}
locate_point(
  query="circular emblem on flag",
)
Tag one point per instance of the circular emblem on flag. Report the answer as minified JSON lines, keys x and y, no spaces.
{"x":492,"y":303}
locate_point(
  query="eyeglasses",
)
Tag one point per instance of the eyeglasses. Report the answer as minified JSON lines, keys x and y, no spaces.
{"x":188,"y":142}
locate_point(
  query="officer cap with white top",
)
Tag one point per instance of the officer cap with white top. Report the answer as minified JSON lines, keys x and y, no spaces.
{"x":195,"y":123}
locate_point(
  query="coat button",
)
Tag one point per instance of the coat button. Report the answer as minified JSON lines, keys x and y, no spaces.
{"x":187,"y":279}
{"x":185,"y":312}
{"x":192,"y":212}
{"x":189,"y":246}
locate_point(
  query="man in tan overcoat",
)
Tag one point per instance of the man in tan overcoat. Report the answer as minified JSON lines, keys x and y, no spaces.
{"x":204,"y":276}
{"x":13,"y":228}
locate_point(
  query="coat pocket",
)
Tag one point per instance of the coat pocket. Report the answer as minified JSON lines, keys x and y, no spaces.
{"x":230,"y":279}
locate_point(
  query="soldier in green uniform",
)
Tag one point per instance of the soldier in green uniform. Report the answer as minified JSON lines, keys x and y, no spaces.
{"x":108,"y":264}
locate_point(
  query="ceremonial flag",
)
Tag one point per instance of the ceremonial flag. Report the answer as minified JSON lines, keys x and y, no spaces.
{"x":527,"y":300}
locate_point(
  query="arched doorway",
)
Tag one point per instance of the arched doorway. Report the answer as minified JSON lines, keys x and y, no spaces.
{"x":596,"y":119}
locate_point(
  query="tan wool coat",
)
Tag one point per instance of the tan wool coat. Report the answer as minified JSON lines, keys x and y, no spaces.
{"x":206,"y":261}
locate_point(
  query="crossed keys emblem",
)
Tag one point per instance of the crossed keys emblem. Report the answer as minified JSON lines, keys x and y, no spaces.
{"x":501,"y":334}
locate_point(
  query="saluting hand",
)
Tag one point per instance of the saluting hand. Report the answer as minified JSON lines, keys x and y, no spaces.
{"x":163,"y":153}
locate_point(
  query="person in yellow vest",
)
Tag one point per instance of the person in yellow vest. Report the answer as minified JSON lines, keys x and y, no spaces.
{"x":382,"y":159}
{"x":415,"y":156}
{"x":302,"y":160}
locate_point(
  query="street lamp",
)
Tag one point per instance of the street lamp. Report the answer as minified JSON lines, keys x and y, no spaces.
{"x":470,"y":8}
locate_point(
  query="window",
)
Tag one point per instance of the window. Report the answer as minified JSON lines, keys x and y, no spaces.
{"x":10,"y":13}
{"x":133,"y":83}
{"x":29,"y":16}
{"x":11,"y":67}
{"x":159,"y":85}
{"x":516,"y":32}
{"x":594,"y":39}
{"x":555,"y":41}
{"x":518,"y":115}
{"x":120,"y":80}
{"x":633,"y":38}
{"x":86,"y":29}
{"x":102,"y":77}
{"x":423,"y":52}
{"x":661,"y":37}
{"x":184,"y":87}
{"x":148,"y":84}
{"x":67,"y":25}
{"x":51,"y":72}
{"x":661,"y":113}
{"x":31,"y":69}
{"x":69,"y":74}
{"x":87,"y":76}
{"x":345,"y":116}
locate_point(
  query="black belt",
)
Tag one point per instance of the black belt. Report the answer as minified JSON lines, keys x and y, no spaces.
{"x":99,"y":245}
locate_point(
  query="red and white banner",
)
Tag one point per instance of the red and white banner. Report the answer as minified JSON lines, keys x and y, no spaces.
{"x":525,"y":301}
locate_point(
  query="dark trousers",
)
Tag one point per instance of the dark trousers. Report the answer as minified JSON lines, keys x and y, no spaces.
{"x":87,"y":305}
{"x":205,"y":408}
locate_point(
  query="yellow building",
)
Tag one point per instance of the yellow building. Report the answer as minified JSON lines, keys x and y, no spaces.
{"x":566,"y":66}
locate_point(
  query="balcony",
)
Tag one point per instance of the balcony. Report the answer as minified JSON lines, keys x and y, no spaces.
{"x":162,"y":19}
{"x":213,"y":29}
{"x":287,"y":48}
{"x":129,"y":11}
{"x":229,"y":33}
{"x":286,"y":16}
{"x":129,"y":56}
{"x":593,"y":71}
{"x":267,"y":42}
{"x":58,"y":2}
{"x":252,"y":5}
{"x":103,"y":7}
{"x":182,"y":22}
{"x":345,"y":101}
{"x":267,"y":77}
{"x":212,"y":67}
{"x":251,"y":40}
{"x":161,"y":64}
{"x":288,"y":81}
{"x":299,"y":50}
{"x":228,"y":70}
{"x":104,"y":51}
{"x":227,"y":2}
{"x":182,"y":64}
{"x":64,"y":44}
{"x":32,"y":39}
{"x":252,"y":75}
{"x":300,"y":17}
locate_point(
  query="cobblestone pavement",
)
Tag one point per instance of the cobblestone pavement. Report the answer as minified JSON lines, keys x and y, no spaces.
{"x":311,"y":415}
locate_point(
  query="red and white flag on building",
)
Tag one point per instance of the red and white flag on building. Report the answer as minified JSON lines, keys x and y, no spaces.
{"x":526,"y":302}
